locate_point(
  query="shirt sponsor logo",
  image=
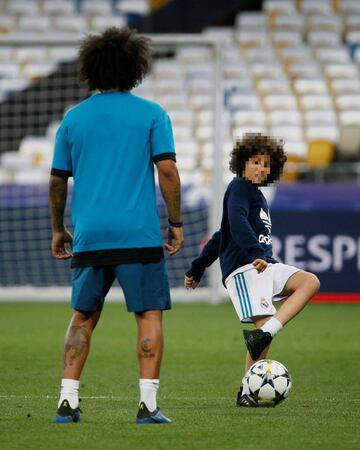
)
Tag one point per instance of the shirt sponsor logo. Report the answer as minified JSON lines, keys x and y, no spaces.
{"x":263,"y":303}
{"x":265,"y":239}
{"x":265,"y":217}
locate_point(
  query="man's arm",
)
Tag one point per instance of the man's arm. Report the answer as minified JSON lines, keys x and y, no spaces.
{"x":169,"y":182}
{"x":57,"y":201}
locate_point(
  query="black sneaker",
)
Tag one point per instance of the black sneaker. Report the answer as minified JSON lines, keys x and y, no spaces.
{"x":245,"y":400}
{"x":144,"y":416}
{"x":65,"y":413}
{"x":256,"y":341}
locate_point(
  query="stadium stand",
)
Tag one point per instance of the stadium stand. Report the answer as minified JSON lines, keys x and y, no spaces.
{"x":291,"y":69}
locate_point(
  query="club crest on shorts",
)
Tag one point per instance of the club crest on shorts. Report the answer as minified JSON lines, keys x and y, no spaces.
{"x":263,"y":303}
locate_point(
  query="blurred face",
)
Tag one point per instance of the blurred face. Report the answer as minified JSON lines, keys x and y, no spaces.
{"x":257,"y":169}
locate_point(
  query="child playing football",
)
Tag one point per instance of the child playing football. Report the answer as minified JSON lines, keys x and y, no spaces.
{"x":253,"y":278}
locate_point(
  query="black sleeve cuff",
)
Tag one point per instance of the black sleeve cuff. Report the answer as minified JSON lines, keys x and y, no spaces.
{"x":164,"y":156}
{"x":61,"y":173}
{"x":195,"y":273}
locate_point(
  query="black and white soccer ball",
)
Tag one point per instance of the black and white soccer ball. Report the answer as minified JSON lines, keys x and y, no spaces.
{"x":269,"y":382}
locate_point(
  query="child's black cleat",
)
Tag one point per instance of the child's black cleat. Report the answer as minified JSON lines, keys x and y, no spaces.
{"x":245,"y":400}
{"x":256,"y":341}
{"x":65,"y":413}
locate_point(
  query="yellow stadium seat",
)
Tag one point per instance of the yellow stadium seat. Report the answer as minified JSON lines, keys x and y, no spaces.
{"x":320,"y":153}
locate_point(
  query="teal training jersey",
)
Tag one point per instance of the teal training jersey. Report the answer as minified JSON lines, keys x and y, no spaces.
{"x":109,"y":143}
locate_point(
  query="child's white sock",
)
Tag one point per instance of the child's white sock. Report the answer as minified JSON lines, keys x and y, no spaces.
{"x":148,"y":390}
{"x":245,"y":390}
{"x":272,"y":326}
{"x":70,"y":392}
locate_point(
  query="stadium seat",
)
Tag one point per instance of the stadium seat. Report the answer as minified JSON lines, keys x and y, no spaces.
{"x":310,"y":86}
{"x":280,"y":101}
{"x":350,"y":6}
{"x":140,"y":7}
{"x":320,"y":117}
{"x":273,"y":7}
{"x":65,"y":7}
{"x":199,"y":86}
{"x":171,"y":101}
{"x":36,"y":23}
{"x":281,"y":117}
{"x":30,"y":176}
{"x":7,"y":23}
{"x":332,"y":54}
{"x":11,"y":161}
{"x":239,"y":71}
{"x":315,"y":132}
{"x":204,"y":117}
{"x":24,"y":7}
{"x":290,"y":133}
{"x":100,"y":23}
{"x":348,"y":102}
{"x":36,"y":71}
{"x":304,"y":70}
{"x":341,"y":71}
{"x":62,"y":54}
{"x":74,"y":24}
{"x":271,"y":86}
{"x":269,"y":71}
{"x":352,"y":22}
{"x":96,"y":7}
{"x":328,"y":22}
{"x":31,"y":55}
{"x":243,"y":102}
{"x":316,"y":6}
{"x":251,"y":38}
{"x":251,"y":20}
{"x":288,"y":22}
{"x":182,"y":116}
{"x":296,"y":152}
{"x":349,"y":123}
{"x":164,"y":86}
{"x":6,"y":53}
{"x":193,"y":55}
{"x":301,"y":54}
{"x":318,"y":102}
{"x":286,"y":38}
{"x":187,"y":148}
{"x":39,"y":149}
{"x":9,"y":70}
{"x":255,"y":117}
{"x":182,"y":132}
{"x":353,"y":38}
{"x":320,"y":153}
{"x":259,"y":54}
{"x":322,"y":38}
{"x":227,"y":34}
{"x":345,"y":86}
{"x":11,"y":85}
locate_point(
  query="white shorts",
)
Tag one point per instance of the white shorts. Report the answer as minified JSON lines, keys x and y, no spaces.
{"x":253,"y":293}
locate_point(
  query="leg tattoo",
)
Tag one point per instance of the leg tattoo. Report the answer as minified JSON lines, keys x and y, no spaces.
{"x":146,"y":349}
{"x":77,"y":340}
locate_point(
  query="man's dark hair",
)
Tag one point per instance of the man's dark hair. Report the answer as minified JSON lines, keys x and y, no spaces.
{"x":117,"y":59}
{"x":255,"y":144}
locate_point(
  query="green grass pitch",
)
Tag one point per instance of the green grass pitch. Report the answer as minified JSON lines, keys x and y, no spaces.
{"x":201,"y":373}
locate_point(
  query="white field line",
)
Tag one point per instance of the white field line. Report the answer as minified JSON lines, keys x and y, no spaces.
{"x":100,"y":397}
{"x":120,"y":397}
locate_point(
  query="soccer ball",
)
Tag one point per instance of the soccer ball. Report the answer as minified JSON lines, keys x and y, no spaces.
{"x":268,"y":381}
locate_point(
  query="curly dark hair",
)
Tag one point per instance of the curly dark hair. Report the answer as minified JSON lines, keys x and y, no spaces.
{"x":253,"y":144}
{"x":116,"y":59}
